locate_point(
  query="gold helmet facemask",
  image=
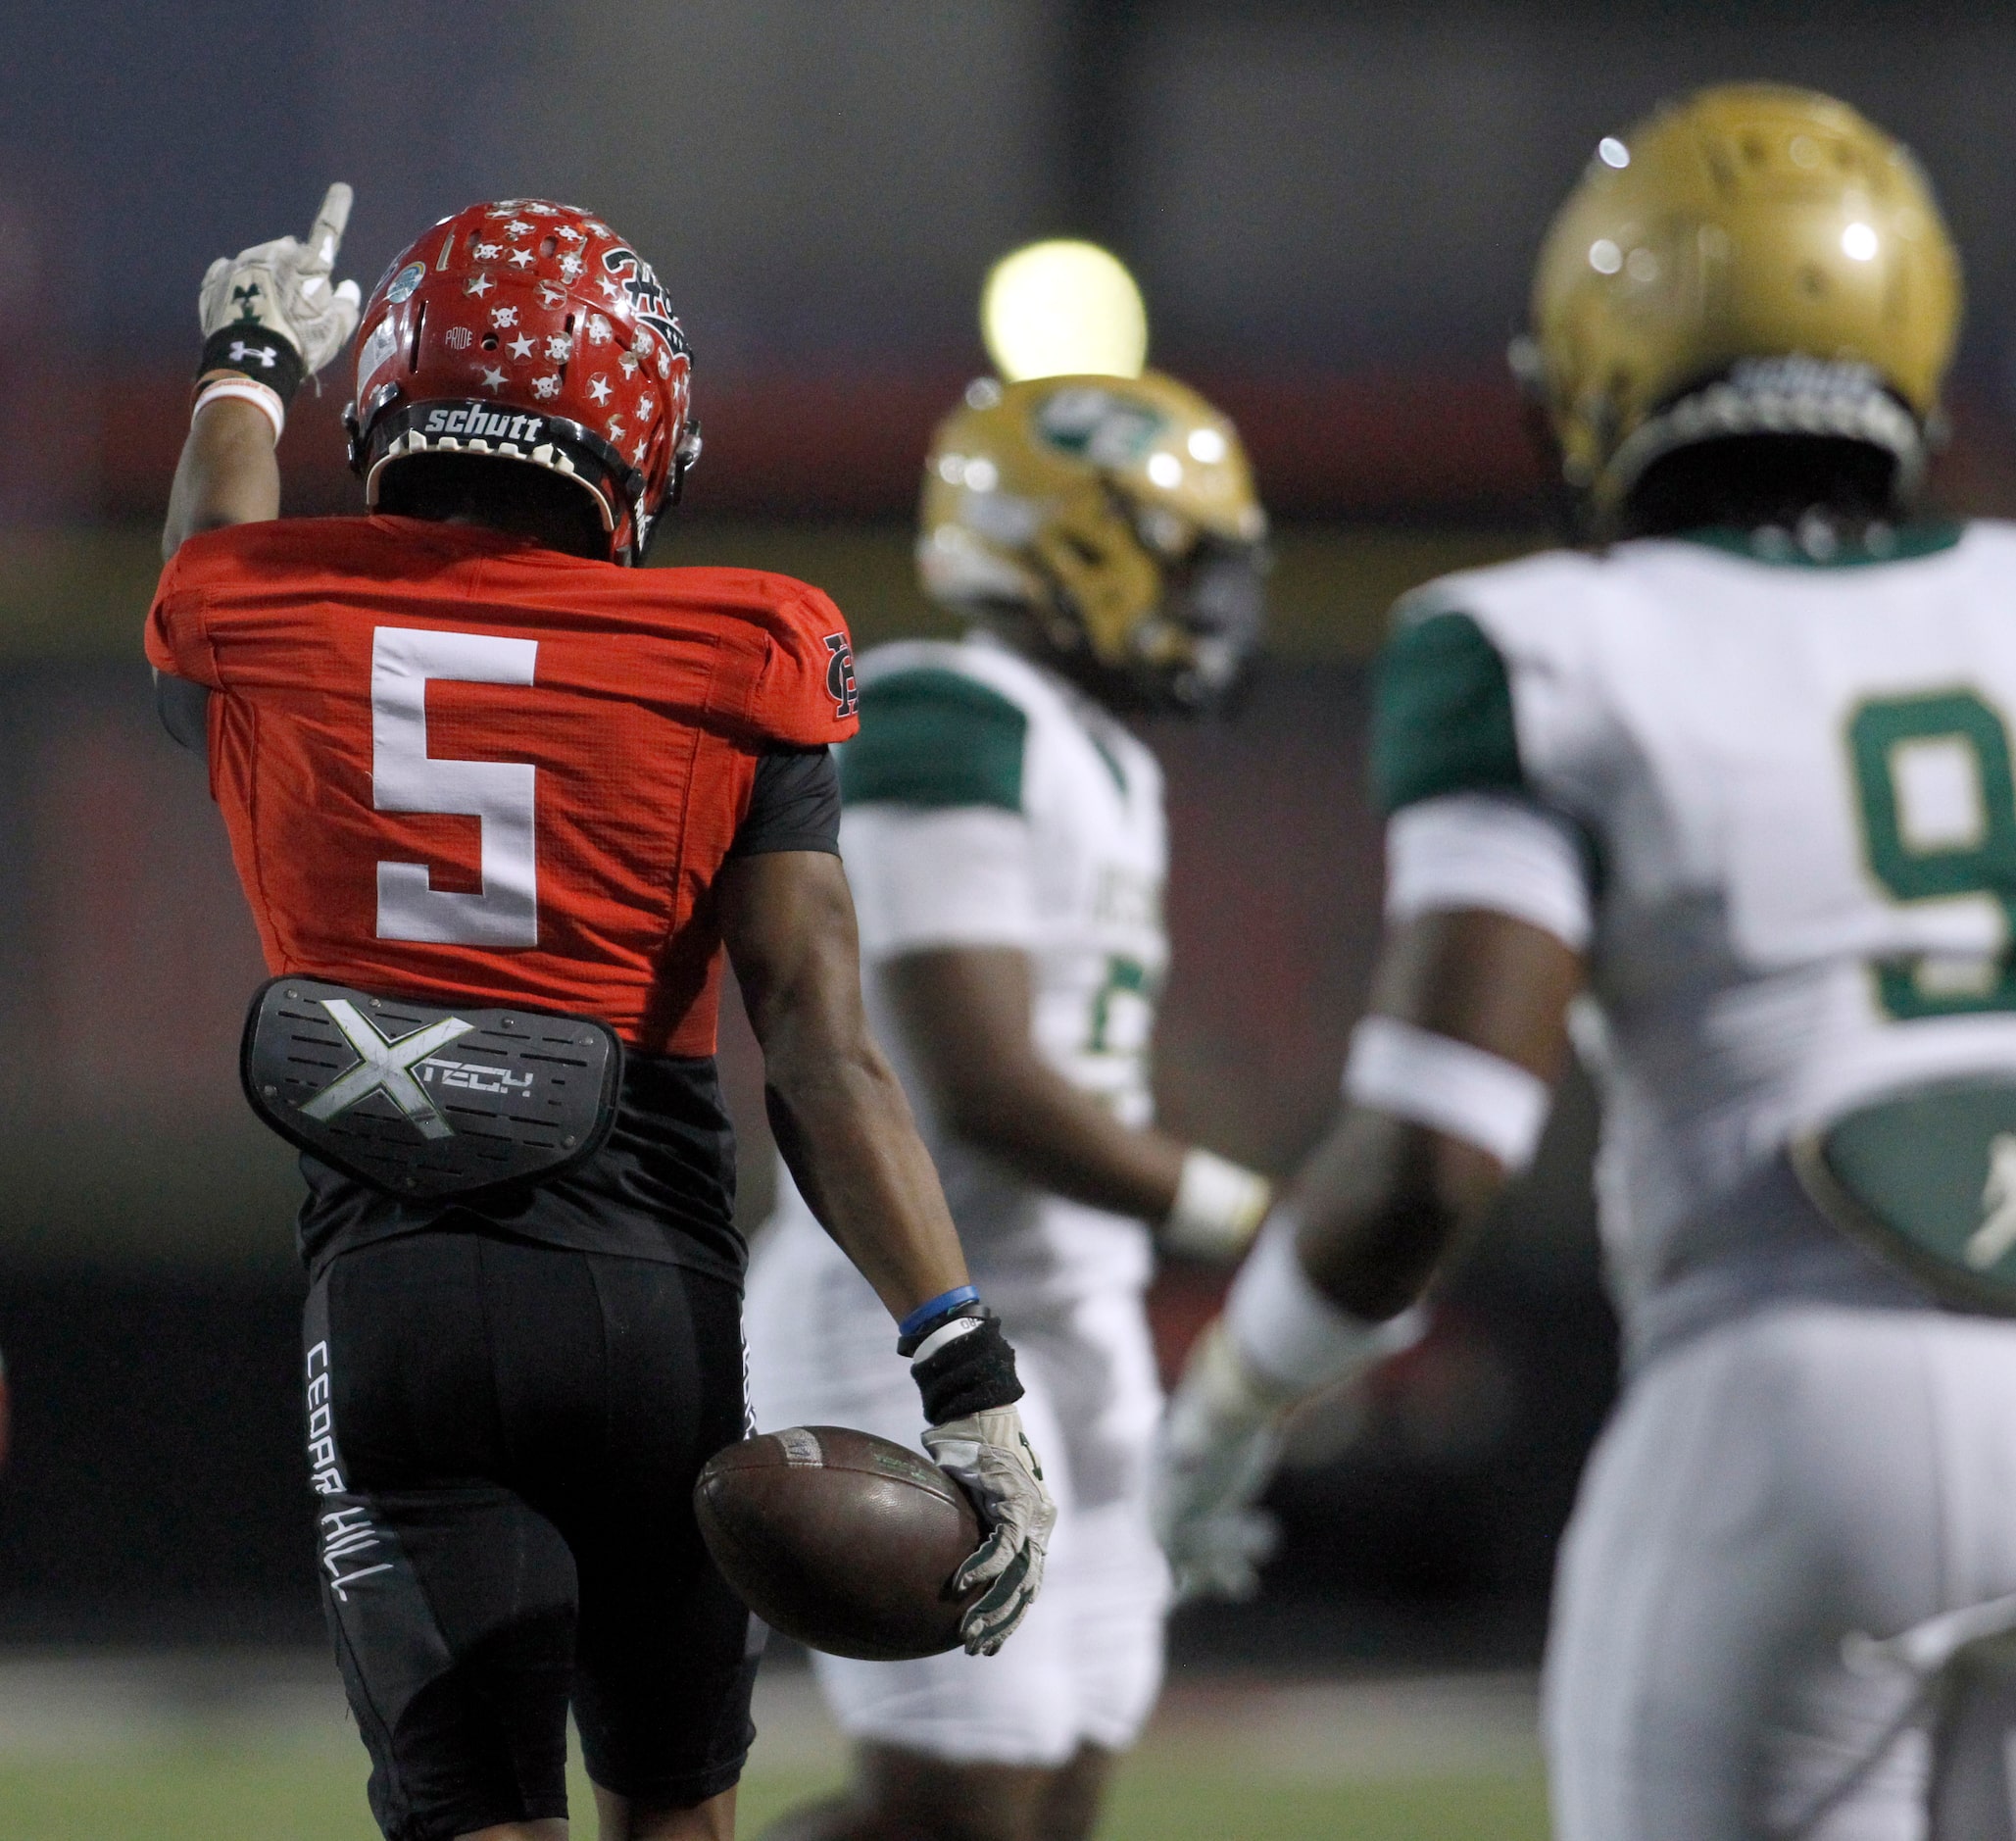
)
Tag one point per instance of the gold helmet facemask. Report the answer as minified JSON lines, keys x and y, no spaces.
{"x":1750,"y":261}
{"x":1113,"y":520}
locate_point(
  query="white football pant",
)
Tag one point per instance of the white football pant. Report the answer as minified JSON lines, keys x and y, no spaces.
{"x":1764,"y":1502}
{"x":1086,"y":1664}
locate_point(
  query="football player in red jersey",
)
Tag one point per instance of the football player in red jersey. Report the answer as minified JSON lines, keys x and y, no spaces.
{"x":469,"y":758}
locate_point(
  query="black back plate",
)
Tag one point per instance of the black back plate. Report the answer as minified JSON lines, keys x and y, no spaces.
{"x":423,"y":1101}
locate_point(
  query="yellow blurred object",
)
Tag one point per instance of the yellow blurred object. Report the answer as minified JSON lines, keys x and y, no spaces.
{"x":1063,"y":308}
{"x":1081,"y":501}
{"x":1748,"y":260}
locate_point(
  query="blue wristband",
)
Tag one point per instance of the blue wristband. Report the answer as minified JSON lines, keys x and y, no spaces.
{"x":941,"y":1305}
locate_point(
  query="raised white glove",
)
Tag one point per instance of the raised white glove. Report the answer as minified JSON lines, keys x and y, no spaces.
{"x":283,"y":287}
{"x":987,"y":1455}
{"x":1218,"y":1208}
{"x":1217,"y":1446}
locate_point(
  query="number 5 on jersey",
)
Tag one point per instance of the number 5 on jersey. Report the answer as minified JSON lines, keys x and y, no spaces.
{"x":498,"y":794}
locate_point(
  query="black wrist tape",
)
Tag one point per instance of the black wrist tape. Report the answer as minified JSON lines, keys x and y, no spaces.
{"x":255,"y":352}
{"x":971,"y":1373}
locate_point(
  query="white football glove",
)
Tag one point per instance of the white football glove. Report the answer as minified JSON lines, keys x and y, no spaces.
{"x":283,"y":287}
{"x":987,"y":1455}
{"x":1217,"y":1447}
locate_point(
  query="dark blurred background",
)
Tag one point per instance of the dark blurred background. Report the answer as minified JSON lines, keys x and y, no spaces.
{"x":1332,"y":210}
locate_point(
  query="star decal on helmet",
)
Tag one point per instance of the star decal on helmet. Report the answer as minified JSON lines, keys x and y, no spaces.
{"x":493,"y":377}
{"x":479,"y":285}
{"x":609,"y":288}
{"x":598,"y":387}
{"x":521,"y":258}
{"x":521,"y":346}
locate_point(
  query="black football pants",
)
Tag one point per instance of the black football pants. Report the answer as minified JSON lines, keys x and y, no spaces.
{"x":503,"y":1439}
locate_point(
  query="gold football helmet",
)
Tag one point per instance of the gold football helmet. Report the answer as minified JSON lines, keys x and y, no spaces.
{"x":1750,"y":259}
{"x":1113,"y":517}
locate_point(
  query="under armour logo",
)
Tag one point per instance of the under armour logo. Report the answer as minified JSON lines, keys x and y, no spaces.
{"x":245,"y":299}
{"x":241,"y":353}
{"x":385,"y":1066}
{"x":1996,"y":1235}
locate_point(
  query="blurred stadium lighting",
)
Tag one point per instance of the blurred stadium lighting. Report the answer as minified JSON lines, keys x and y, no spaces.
{"x":1064,"y":309}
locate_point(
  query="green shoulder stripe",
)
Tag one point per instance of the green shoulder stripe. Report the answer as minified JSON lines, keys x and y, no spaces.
{"x":1442,"y":714}
{"x":935,"y":738}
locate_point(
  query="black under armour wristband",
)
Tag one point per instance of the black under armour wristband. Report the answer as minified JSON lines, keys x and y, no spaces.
{"x":255,"y":352}
{"x":973,"y":1373}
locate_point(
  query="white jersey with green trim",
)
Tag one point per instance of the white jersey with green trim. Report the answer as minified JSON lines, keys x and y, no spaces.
{"x":989,"y":803}
{"x":1789,"y":789}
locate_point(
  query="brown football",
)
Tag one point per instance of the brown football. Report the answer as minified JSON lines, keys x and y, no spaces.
{"x":840,"y":1539}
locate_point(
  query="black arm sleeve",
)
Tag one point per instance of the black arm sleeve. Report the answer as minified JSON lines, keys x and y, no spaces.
{"x":796,"y":805}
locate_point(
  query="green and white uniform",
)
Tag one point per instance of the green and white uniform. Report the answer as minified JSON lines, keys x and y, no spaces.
{"x":1772,"y":798}
{"x":988,"y":804}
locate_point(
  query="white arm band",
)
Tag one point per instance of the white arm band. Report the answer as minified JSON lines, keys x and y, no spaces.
{"x":1218,"y":1207}
{"x":1290,"y":1334}
{"x":1437,"y":1082}
{"x":1492,"y":851}
{"x":247,"y":389}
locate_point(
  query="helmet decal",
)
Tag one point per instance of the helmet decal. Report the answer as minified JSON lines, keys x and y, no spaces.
{"x":646,"y":296}
{"x":1103,"y":428}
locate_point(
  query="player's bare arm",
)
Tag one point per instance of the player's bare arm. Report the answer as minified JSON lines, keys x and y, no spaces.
{"x":846,"y":1131}
{"x":1450,"y":1080}
{"x":967,"y":1012}
{"x":271,"y":317}
{"x":228,"y":472}
{"x":1385,"y":1200}
{"x":839,"y":1114}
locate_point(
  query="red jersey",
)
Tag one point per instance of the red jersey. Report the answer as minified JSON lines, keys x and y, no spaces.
{"x":456,"y":765}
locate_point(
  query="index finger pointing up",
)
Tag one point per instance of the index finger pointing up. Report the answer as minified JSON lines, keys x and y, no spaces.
{"x":325,"y":235}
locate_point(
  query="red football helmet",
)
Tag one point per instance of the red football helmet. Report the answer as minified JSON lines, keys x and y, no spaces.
{"x":533,"y":331}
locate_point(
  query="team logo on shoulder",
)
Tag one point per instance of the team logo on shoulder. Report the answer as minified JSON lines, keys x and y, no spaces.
{"x":840,"y":686}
